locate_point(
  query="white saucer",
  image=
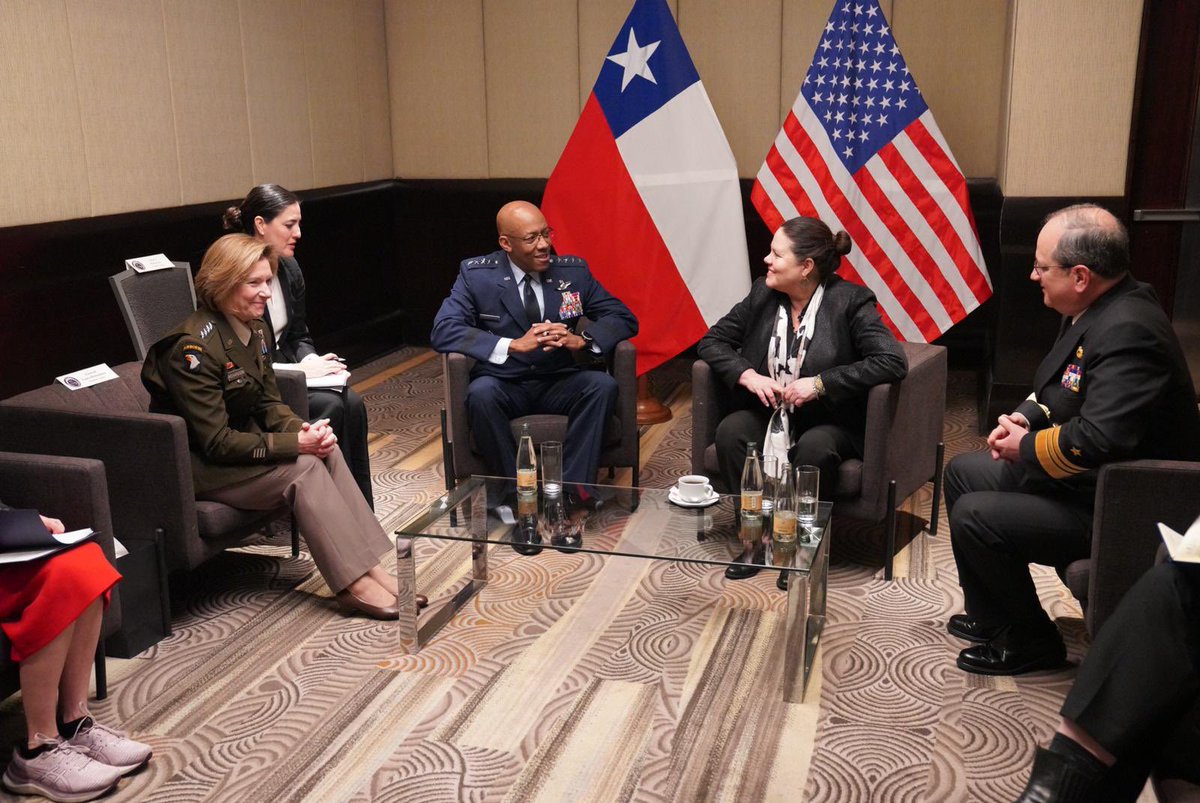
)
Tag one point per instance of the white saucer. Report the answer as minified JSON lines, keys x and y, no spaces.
{"x":673,"y":496}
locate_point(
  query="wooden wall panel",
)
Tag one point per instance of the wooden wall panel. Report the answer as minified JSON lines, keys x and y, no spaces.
{"x":277,"y":93}
{"x":1070,"y":96}
{"x":436,"y":88}
{"x":736,"y":48}
{"x":121,"y":70}
{"x":373,"y":102}
{"x":208,"y":87}
{"x":531,"y":52}
{"x":43,"y":172}
{"x":332,"y":66}
{"x":960,"y":75}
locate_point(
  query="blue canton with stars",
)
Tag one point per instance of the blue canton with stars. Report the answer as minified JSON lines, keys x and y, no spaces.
{"x":858,"y":84}
{"x":668,"y":67}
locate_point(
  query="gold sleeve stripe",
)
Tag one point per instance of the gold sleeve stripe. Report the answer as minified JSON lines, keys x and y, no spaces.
{"x":1051,"y":457}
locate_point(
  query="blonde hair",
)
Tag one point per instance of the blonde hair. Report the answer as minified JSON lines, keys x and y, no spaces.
{"x":226,"y":264}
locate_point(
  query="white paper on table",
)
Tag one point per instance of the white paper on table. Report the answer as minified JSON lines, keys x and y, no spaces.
{"x":1182,"y":548}
{"x":87,"y":377}
{"x":65,"y":539}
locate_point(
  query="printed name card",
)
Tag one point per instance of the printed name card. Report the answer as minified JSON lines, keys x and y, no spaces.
{"x":87,"y":377}
{"x":147,"y":264}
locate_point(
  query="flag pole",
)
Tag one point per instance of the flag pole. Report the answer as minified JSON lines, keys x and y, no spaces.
{"x":649,"y":409}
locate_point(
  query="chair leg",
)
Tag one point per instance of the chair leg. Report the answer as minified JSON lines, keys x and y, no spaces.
{"x":890,"y":524}
{"x":448,"y":466}
{"x":937,"y":487}
{"x":101,"y":672}
{"x":295,"y":535}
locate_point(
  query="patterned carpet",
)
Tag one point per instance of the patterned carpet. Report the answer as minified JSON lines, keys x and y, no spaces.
{"x":574,"y":677}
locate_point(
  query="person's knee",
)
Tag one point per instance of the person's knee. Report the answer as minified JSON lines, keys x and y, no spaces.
{"x":483,"y":395}
{"x":816,"y":451}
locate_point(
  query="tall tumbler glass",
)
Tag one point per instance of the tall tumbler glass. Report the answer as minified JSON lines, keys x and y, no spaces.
{"x":808,"y":486}
{"x":770,"y":483}
{"x":552,"y":468}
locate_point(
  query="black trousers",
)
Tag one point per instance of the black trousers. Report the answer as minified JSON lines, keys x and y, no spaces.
{"x":816,"y":443}
{"x":1000,"y":522}
{"x":1138,"y":690}
{"x":347,"y":416}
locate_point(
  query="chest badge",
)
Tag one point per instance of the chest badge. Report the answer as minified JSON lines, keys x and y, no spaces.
{"x":1079,"y":353}
{"x":1072,"y":377}
{"x":571,"y":307}
{"x":563,"y":285}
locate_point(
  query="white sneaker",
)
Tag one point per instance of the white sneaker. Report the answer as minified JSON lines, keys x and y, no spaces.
{"x":111,"y":747}
{"x":63,"y":773}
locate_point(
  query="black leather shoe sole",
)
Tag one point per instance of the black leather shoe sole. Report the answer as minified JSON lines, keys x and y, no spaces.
{"x":989,"y":659}
{"x":527,"y":548}
{"x":781,"y":582}
{"x":964,"y":627}
{"x":740,"y":571}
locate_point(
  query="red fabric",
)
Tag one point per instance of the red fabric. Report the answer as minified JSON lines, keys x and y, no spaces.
{"x":38,"y":599}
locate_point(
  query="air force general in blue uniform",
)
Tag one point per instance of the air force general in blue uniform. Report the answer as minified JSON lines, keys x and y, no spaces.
{"x":526,"y":362}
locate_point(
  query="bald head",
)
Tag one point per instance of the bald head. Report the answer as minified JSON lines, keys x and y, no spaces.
{"x":524,"y":235}
{"x":1091,"y":236}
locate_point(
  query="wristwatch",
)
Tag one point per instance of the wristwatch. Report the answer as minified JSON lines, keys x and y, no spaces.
{"x":819,"y":386}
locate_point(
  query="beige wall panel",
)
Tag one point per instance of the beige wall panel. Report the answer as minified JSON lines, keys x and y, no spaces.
{"x":120,"y":53}
{"x":955,"y":51}
{"x":208,"y":87}
{"x":599,"y":21}
{"x":1071,"y":97}
{"x":736,"y":48}
{"x":436,"y":84}
{"x":43,"y":172}
{"x":373,"y":91}
{"x":273,"y":48}
{"x":332,"y":65}
{"x":532,"y":65}
{"x":802,"y":25}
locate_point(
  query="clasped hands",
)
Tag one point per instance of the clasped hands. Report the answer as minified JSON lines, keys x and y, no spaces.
{"x":770,"y":392}
{"x":1005,"y":439}
{"x":317,"y":438}
{"x":547,"y":336}
{"x":316,"y":367}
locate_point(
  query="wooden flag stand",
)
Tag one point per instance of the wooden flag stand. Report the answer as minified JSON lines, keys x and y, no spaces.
{"x":649,"y":409}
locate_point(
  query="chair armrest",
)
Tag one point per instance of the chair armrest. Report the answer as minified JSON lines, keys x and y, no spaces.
{"x":624,"y":370}
{"x":706,"y":412}
{"x":147,"y":462}
{"x":1131,"y":498}
{"x":904,"y":425}
{"x":293,"y":389}
{"x":72,"y":489}
{"x":456,"y":368}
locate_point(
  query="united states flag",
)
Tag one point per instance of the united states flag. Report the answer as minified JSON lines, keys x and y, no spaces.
{"x":860,"y":150}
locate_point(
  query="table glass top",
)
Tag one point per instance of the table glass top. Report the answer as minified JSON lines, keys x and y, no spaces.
{"x":612,"y":520}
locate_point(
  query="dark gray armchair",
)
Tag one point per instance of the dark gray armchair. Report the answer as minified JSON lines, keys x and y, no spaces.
{"x":1131,"y":498}
{"x":902,"y":450}
{"x":153,"y":303}
{"x":146,"y":457}
{"x":621,"y":447}
{"x":74,"y":490}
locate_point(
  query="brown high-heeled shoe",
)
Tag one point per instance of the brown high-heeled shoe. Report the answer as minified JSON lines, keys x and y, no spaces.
{"x":349,"y":603}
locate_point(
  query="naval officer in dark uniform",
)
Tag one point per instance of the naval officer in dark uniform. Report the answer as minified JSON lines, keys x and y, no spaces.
{"x":248,"y":449}
{"x":1114,"y":386}
{"x":516,"y":311}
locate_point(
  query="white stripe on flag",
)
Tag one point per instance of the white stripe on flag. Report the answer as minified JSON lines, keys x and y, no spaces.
{"x":686,"y":174}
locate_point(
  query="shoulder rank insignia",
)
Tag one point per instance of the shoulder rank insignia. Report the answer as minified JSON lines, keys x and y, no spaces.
{"x":1079,"y":353}
{"x":481,"y":262}
{"x":567,"y":260}
{"x":206,"y":330}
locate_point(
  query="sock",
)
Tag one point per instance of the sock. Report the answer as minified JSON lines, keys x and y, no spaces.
{"x":1077,"y":756}
{"x":69,"y":729}
{"x":31,"y":752}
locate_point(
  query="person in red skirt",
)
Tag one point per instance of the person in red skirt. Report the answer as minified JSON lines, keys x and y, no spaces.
{"x":50,"y":609}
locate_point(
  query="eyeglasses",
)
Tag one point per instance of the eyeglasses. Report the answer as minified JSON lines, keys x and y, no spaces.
{"x":1041,"y":269}
{"x":546,"y":234}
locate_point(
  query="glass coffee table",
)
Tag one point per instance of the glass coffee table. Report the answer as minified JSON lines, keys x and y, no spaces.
{"x":614,"y":520}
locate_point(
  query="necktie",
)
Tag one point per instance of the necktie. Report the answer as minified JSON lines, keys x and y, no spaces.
{"x":532,"y":311}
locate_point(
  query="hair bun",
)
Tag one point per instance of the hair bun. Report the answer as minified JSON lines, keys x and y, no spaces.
{"x":841,"y":243}
{"x":232,"y":219}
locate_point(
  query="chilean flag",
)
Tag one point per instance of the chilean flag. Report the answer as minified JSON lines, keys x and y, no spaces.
{"x":646,"y":190}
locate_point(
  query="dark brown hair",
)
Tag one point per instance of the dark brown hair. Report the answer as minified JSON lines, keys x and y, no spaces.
{"x":812,"y":239}
{"x":265,"y":201}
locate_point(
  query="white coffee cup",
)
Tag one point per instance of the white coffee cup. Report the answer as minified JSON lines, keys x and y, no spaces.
{"x":694,"y":488}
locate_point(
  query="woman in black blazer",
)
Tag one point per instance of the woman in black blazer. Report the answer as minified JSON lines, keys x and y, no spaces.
{"x":272,"y":214}
{"x":841,"y":343}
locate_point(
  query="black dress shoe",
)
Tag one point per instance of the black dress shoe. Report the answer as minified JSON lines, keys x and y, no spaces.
{"x":743,"y":565}
{"x":781,"y":582}
{"x":526,"y":540}
{"x":968,"y":629}
{"x":1057,"y":779}
{"x":1007,"y":656}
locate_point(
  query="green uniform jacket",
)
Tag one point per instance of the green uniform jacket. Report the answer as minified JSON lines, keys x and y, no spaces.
{"x":238,"y":426}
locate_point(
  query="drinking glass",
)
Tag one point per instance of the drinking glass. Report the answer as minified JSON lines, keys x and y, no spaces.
{"x":770,"y":483}
{"x":808,"y":481}
{"x":552,"y":468}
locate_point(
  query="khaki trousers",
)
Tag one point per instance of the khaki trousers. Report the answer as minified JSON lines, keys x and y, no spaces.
{"x":342,"y":533}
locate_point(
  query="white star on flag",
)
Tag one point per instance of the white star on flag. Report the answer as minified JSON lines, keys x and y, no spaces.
{"x":634,"y":60}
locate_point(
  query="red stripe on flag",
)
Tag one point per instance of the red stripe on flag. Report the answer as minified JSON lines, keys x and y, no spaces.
{"x":766,"y":209}
{"x":597,"y":213}
{"x":954,"y":181}
{"x":872,"y":250}
{"x":920,"y":257}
